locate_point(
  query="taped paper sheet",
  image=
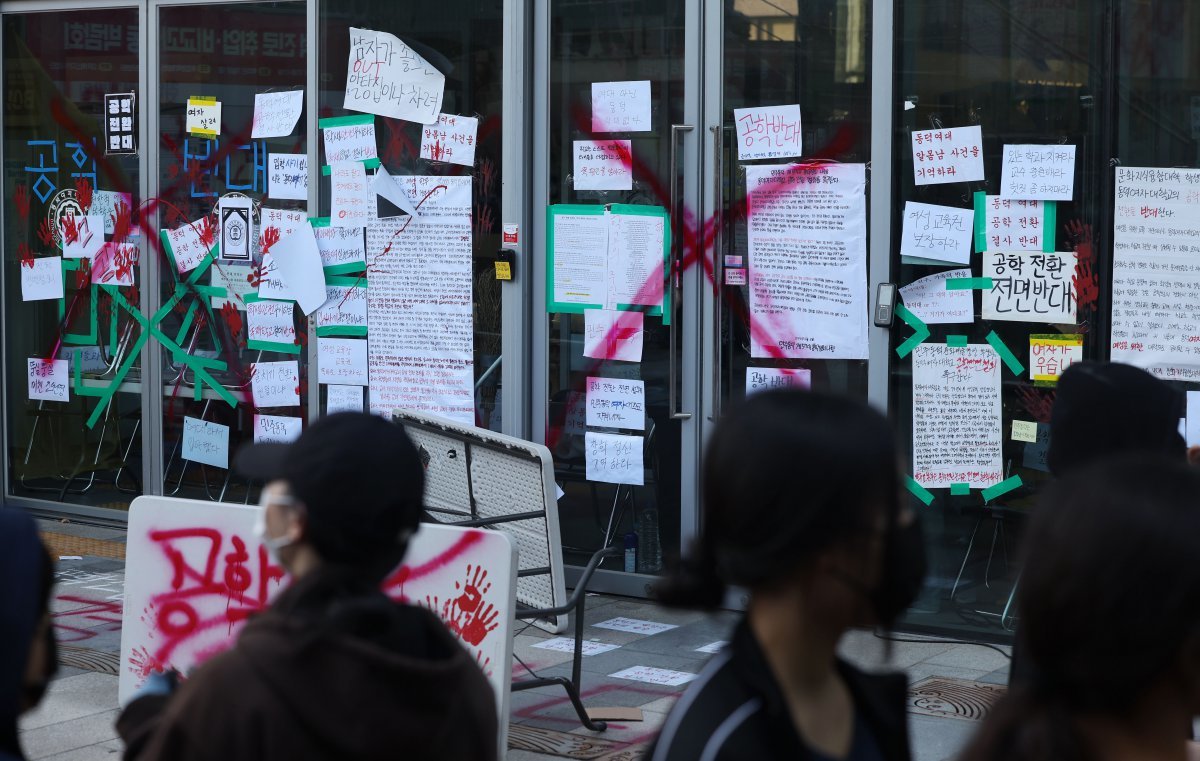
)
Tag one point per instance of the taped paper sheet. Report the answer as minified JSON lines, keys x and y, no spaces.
{"x":385,"y":76}
{"x":929,"y":300}
{"x":957,"y":436}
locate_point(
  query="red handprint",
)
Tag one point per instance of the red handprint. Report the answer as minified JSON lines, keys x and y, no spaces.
{"x":122,"y":219}
{"x":233,"y":319}
{"x":1085,"y":279}
{"x":467,"y":615}
{"x":83,"y":194}
{"x":207,"y":230}
{"x":45,"y":235}
{"x":1037,"y":404}
{"x":268,"y":238}
{"x":25,"y":255}
{"x":21,"y":199}
{"x":70,"y":229}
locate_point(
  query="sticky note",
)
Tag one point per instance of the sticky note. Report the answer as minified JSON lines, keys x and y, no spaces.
{"x":1024,"y":430}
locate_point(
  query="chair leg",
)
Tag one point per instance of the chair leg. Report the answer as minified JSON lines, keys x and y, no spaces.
{"x":966,"y":557}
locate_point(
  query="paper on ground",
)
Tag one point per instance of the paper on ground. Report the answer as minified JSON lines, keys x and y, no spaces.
{"x":205,"y":442}
{"x":712,"y":647}
{"x":299,"y":263}
{"x":929,"y":300}
{"x":635,"y":625}
{"x":385,"y":76}
{"x":42,"y":278}
{"x":276,"y":113}
{"x":652,"y":675}
{"x":567,"y":645}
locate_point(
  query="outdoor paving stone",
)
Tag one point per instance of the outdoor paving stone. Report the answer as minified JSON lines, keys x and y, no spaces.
{"x":73,"y":697}
{"x":70,"y":735}
{"x":970,"y":657}
{"x":921,"y":671}
{"x":935,"y":739}
{"x":862,"y":648}
{"x":105,"y":751}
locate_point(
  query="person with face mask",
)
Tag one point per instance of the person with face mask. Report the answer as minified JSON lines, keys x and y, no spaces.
{"x":1110,"y":612}
{"x":28,"y":650}
{"x":333,"y":669}
{"x":801,"y":507}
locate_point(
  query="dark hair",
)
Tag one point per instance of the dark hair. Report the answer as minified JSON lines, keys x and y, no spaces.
{"x":1109,"y":599}
{"x":787,"y":474}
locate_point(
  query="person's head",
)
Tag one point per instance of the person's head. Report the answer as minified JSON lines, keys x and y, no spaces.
{"x":1106,"y":408}
{"x":348,"y":492}
{"x":802,"y":488}
{"x":28,"y":650}
{"x":1108,"y":607}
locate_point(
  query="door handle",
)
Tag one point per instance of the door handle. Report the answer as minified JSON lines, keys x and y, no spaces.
{"x":718,"y":267}
{"x":674,"y":279}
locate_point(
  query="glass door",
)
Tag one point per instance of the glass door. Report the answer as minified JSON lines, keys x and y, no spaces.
{"x":616,"y":358}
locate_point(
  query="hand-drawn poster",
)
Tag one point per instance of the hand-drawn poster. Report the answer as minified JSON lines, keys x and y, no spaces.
{"x":621,"y":106}
{"x":1038,"y":173}
{"x":947,"y":155}
{"x":1051,"y":354}
{"x":203,"y":116}
{"x":614,"y":458}
{"x":1002,"y":225}
{"x":616,"y":403}
{"x":451,"y":139}
{"x":276,"y":113}
{"x":49,"y":380}
{"x":808,"y":260}
{"x":940,"y":233}
{"x":768,"y":378}
{"x":385,"y":76}
{"x":768,"y":132}
{"x":287,"y":176}
{"x":419,"y":304}
{"x":603,"y":165}
{"x":1156,"y":271}
{"x":1030,"y":287}
{"x":957,"y":434}
{"x":42,"y":278}
{"x":929,"y":300}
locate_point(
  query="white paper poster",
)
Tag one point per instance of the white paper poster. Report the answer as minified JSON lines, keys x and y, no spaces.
{"x":1038,"y":173}
{"x":287,"y":176}
{"x":340,"y":246}
{"x":342,"y":361}
{"x":581,"y":258}
{"x":49,"y":380}
{"x":276,"y":428}
{"x":942,"y":233}
{"x":1192,"y":425}
{"x":285,"y":221}
{"x":947,"y":155}
{"x":235,"y":214}
{"x":451,"y":139}
{"x":768,"y":378}
{"x":349,"y":139}
{"x":654,"y":675}
{"x":929,"y":300}
{"x":299,"y":263}
{"x":203,"y":116}
{"x":187,"y":246}
{"x":42,"y":278}
{"x":107,"y":204}
{"x":270,"y":321}
{"x":635,"y":260}
{"x":419,"y":304}
{"x":275,"y":384}
{"x":385,"y":76}
{"x":205,"y":442}
{"x":237,"y":282}
{"x":115,"y":264}
{"x":603,"y":165}
{"x":1050,"y":354}
{"x":957,"y":432}
{"x":276,"y":113}
{"x":82,"y":236}
{"x":614,"y":458}
{"x":621,"y":106}
{"x":1028,"y":287}
{"x":349,"y":206}
{"x":271,"y":285}
{"x":768,"y":132}
{"x":1156,"y":271}
{"x":808,"y":261}
{"x":616,"y":403}
{"x":1015,"y":225}
{"x":343,"y":399}
{"x":345,"y":306}
{"x":635,"y":626}
{"x":612,"y":334}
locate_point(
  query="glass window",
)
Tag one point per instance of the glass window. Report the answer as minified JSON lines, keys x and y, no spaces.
{"x":219,"y":216}
{"x":72,"y":334}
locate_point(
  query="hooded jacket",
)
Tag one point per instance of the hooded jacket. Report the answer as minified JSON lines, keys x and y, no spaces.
{"x":22,"y":602}
{"x":332,"y":670}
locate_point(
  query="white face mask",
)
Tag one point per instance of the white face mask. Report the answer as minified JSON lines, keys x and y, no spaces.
{"x":273,"y":544}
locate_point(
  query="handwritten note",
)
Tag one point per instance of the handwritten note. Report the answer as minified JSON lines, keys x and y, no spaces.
{"x":275,"y":384}
{"x":349,"y":138}
{"x":929,"y":300}
{"x":808,"y":261}
{"x":1015,"y":225}
{"x":269,"y":324}
{"x":947,"y":155}
{"x":107,"y":204}
{"x":942,"y":233}
{"x":635,"y":260}
{"x":451,"y":139}
{"x":635,"y":625}
{"x":42,"y":279}
{"x":349,"y":205}
{"x":768,"y":132}
{"x":1029,"y":287}
{"x":186,"y":245}
{"x":205,"y":442}
{"x":1025,"y":430}
{"x":603,"y":165}
{"x":342,"y":248}
{"x":82,"y":236}
{"x":49,"y":380}
{"x":567,"y":645}
{"x":343,"y":399}
{"x":1038,"y":173}
{"x":612,"y":334}
{"x":957,"y":437}
{"x":342,"y":361}
{"x":345,"y":308}
{"x":203,"y":116}
{"x":1156,"y":271}
{"x":286,"y":221}
{"x":115,"y":264}
{"x":385,"y":76}
{"x":287,"y":176}
{"x":768,"y":378}
{"x":654,"y":675}
{"x":237,"y":283}
{"x":616,"y":403}
{"x":613,"y":458}
{"x":299,"y":263}
{"x":276,"y":113}
{"x":1051,"y":354}
{"x":276,"y":428}
{"x":621,"y":106}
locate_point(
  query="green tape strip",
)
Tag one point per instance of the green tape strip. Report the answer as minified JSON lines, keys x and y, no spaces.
{"x":368,"y":163}
{"x":980,"y":221}
{"x":920,"y":330}
{"x":918,"y":491}
{"x":1006,"y":354}
{"x":349,"y":268}
{"x":960,"y":490}
{"x":968,"y":283}
{"x":346,"y":121}
{"x":1050,"y":227}
{"x":341,"y":330}
{"x":1004,"y":487}
{"x":956,"y":340}
{"x":274,"y":346}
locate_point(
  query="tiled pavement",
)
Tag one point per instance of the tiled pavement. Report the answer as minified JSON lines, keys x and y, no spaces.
{"x":75,"y":723}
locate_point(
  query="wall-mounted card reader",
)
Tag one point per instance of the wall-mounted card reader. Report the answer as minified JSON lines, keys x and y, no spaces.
{"x":885,"y":305}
